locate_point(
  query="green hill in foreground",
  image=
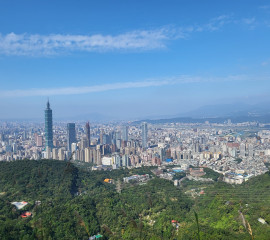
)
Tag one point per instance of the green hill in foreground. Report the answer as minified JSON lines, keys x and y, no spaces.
{"x":77,"y":204}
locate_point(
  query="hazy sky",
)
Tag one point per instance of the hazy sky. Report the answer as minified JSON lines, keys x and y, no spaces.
{"x":131,"y":59}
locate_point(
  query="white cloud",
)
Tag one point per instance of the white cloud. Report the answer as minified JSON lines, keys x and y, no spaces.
{"x":139,"y":40}
{"x":36,"y":45}
{"x":44,"y":45}
{"x":80,"y":90}
{"x":183,"y":79}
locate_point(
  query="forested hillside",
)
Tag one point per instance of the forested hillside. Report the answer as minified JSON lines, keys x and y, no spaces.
{"x":67,"y":202}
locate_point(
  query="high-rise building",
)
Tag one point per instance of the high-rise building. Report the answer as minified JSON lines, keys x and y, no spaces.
{"x":117,"y":135}
{"x":101,"y":135}
{"x":2,"y":137}
{"x":125,"y":161}
{"x":39,"y":141}
{"x":48,"y":153}
{"x":74,"y":147}
{"x":55,"y":154}
{"x":48,"y":127}
{"x":87,"y":157}
{"x":83,"y":143}
{"x":61,"y":154}
{"x":144,"y":134}
{"x":71,"y":135}
{"x":87,"y":131}
{"x":125,"y":133}
{"x":243,"y":149}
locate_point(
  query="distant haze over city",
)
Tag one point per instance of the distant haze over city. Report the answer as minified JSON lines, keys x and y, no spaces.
{"x":246,"y":112}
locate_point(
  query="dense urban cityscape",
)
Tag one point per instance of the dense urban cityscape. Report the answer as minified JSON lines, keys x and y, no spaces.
{"x":135,"y":120}
{"x":236,"y":150}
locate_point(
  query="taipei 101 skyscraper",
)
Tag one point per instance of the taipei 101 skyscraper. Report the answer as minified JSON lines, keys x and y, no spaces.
{"x":48,"y":127}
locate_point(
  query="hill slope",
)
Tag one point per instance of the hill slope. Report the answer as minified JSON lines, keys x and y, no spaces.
{"x":76,"y":204}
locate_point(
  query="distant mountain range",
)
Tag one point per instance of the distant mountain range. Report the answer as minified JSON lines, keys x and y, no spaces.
{"x":220,"y":113}
{"x":229,"y":110}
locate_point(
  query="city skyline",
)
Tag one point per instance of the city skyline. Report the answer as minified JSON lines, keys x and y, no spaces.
{"x":149,"y":59}
{"x":134,"y":119}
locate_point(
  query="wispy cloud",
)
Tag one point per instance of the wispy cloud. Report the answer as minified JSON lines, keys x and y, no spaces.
{"x":139,"y":40}
{"x":81,"y":90}
{"x":265,"y":7}
{"x":212,"y":25}
{"x":183,"y":79}
{"x":46,"y":45}
{"x":249,"y":21}
{"x":27,"y":44}
{"x":217,"y":23}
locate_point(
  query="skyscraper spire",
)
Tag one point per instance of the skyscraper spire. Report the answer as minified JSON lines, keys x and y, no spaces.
{"x":48,"y":104}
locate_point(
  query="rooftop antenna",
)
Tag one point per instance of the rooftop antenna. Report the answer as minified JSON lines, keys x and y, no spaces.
{"x":48,"y":103}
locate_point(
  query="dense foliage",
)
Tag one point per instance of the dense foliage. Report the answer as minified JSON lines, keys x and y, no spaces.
{"x":211,"y":174}
{"x":76,"y":204}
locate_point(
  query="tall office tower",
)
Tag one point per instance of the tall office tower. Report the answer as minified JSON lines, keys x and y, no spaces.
{"x":71,"y":135}
{"x":243,"y":149}
{"x":109,"y":139}
{"x":161,"y":152}
{"x":144,"y":135}
{"x":2,"y":138}
{"x":101,"y":136}
{"x":117,"y":136}
{"x":87,"y":131}
{"x":125,"y":133}
{"x":105,"y":138}
{"x":48,"y":127}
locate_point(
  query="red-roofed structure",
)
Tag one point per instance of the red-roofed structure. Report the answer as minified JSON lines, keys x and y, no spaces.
{"x":26,"y":214}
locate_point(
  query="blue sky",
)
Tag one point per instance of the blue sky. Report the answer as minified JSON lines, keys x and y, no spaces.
{"x":131,"y":59}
